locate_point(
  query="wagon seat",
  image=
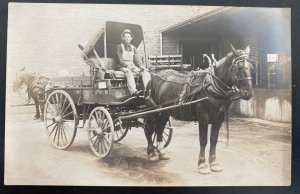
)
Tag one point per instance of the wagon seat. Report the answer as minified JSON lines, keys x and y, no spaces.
{"x":111,"y":65}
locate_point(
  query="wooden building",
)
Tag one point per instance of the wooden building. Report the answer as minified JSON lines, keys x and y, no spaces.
{"x":266,"y":31}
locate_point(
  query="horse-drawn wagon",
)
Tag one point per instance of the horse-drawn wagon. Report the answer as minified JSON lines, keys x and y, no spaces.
{"x":101,"y":98}
{"x":102,"y":104}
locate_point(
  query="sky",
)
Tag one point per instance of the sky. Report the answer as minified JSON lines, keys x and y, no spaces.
{"x":46,"y":35}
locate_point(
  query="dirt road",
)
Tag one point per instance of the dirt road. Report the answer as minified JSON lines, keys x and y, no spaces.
{"x":256,"y":155}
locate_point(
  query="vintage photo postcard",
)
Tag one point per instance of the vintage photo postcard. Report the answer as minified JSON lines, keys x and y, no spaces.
{"x":148,"y":95}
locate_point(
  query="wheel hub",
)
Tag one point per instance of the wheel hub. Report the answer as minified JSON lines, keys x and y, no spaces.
{"x":57,"y":119}
{"x":98,"y":131}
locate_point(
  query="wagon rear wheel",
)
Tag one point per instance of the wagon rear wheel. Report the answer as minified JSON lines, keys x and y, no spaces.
{"x":101,"y":132}
{"x":60,"y":118}
{"x":167,"y":135}
{"x":120,"y":132}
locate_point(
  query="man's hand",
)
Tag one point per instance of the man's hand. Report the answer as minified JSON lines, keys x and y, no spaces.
{"x":109,"y":71}
{"x":144,"y":68}
{"x":104,"y":69}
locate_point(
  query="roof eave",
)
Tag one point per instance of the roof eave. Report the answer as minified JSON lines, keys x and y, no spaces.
{"x":195,"y":19}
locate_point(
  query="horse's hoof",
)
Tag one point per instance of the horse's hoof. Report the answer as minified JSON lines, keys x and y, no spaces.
{"x":162,"y":155}
{"x":215,"y":167}
{"x":204,"y":169}
{"x":153,"y":157}
{"x":36,"y":118}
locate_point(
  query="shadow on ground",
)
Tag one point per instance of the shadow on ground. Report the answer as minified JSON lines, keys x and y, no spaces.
{"x":129,"y":163}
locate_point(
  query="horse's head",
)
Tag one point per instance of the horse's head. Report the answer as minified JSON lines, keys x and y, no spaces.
{"x":21,"y":78}
{"x":241,"y":72}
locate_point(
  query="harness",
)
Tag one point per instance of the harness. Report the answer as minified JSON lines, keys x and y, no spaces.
{"x":219,"y":88}
{"x":37,"y":82}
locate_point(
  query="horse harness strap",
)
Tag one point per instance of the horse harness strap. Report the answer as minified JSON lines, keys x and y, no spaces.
{"x":188,"y":81}
{"x":239,"y":59}
{"x":217,"y":84}
{"x":246,"y":78}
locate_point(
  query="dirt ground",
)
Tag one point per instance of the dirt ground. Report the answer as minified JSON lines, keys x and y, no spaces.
{"x":256,"y":155}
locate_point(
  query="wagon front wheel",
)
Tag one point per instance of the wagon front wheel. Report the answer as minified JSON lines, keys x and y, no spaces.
{"x":60,"y":118}
{"x":100,"y":132}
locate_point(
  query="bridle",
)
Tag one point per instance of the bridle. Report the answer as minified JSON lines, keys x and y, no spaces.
{"x":241,"y":59}
{"x":221,"y":88}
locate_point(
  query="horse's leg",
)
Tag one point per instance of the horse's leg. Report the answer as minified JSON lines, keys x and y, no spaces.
{"x":42,"y":110}
{"x":161,"y":123}
{"x":203,"y":168}
{"x":149,"y":129}
{"x":36,"y":103}
{"x":41,"y":104}
{"x":214,"y":165}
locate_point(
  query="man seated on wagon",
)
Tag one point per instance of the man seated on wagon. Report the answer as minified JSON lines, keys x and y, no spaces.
{"x":129,"y":62}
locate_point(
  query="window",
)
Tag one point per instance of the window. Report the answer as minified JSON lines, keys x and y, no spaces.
{"x":272,"y":58}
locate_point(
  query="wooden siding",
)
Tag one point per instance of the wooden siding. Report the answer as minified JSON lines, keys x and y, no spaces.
{"x":170,"y":44}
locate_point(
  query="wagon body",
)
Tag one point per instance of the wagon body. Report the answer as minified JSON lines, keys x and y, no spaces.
{"x":86,"y":90}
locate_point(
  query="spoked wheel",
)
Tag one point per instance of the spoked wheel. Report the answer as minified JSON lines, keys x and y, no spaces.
{"x":120,"y":132}
{"x":167,"y":135}
{"x":101,"y":132}
{"x":60,"y":118}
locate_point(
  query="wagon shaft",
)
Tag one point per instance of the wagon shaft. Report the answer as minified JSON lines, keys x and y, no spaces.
{"x":137,"y":115}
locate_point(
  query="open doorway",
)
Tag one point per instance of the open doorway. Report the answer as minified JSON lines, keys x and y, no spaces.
{"x":193,"y":50}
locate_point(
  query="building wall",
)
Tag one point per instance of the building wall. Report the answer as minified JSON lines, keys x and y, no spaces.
{"x":170,"y":44}
{"x":273,"y":105}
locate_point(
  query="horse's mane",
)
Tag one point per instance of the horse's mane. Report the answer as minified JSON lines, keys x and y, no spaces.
{"x":225,"y":59}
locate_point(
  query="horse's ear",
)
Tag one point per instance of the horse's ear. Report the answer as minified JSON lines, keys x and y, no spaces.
{"x":247,"y":50}
{"x":234,"y":51}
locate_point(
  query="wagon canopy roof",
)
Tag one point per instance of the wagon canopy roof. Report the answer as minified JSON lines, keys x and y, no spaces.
{"x":111,"y":32}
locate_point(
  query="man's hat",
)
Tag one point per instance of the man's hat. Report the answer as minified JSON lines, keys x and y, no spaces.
{"x":126,"y":31}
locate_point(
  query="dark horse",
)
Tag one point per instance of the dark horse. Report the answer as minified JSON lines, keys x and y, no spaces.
{"x":230,"y":76}
{"x":35,"y":88}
